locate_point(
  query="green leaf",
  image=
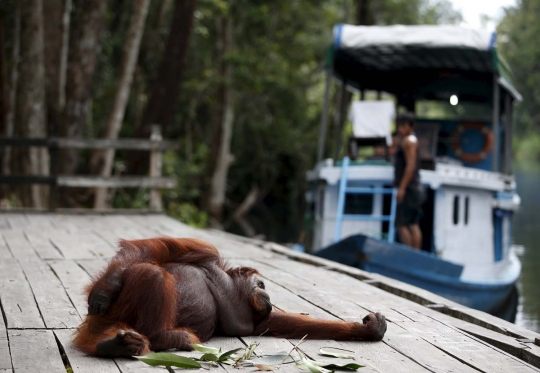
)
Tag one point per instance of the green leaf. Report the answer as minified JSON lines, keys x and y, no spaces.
{"x":312,"y":368}
{"x":307,"y":364}
{"x":169,"y":360}
{"x":207,"y":350}
{"x":250,"y":349}
{"x":327,"y":351}
{"x":209,"y":357}
{"x":226,"y":355}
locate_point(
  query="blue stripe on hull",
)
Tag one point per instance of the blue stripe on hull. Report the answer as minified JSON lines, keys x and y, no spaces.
{"x":481,"y":297}
{"x":421,"y":269}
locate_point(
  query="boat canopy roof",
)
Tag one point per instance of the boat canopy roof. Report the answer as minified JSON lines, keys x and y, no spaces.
{"x":421,"y":62}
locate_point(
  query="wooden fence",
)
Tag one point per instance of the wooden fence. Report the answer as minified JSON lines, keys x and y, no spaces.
{"x":155,"y":146}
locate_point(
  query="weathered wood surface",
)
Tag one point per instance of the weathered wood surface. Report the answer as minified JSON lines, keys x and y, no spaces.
{"x":116,"y":182}
{"x":46,"y":260}
{"x":123,"y":144}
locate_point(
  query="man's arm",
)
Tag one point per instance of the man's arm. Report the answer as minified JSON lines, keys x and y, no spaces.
{"x":410,"y":147}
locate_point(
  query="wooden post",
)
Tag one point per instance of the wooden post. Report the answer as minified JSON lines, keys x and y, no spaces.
{"x":156,"y":157}
{"x":54,"y":195}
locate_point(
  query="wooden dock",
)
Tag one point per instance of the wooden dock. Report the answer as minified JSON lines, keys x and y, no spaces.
{"x":47,"y":259}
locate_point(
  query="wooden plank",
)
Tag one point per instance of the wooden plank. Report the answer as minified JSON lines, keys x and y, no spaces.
{"x":3,"y":222}
{"x":125,"y":144}
{"x":424,"y":353}
{"x":453,"y":342}
{"x":5,"y":253}
{"x":53,"y":302}
{"x":42,"y":244}
{"x":16,"y":220}
{"x":228,"y":248}
{"x":5,"y":356}
{"x":419,"y":313}
{"x":271,"y":345}
{"x":113,"y":236}
{"x":82,"y":245}
{"x":532,"y":354}
{"x":412,"y":293}
{"x":35,"y":351}
{"x":467,"y":349}
{"x":93,"y":266}
{"x":42,"y":221}
{"x":74,"y":279}
{"x":79,"y":361}
{"x":117,"y":182}
{"x":19,"y":245}
{"x":18,"y":301}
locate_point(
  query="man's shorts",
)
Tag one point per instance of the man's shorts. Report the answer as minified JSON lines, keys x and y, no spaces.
{"x":409,"y":211}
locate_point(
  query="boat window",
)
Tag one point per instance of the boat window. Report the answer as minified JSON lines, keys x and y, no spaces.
{"x":467,"y":210}
{"x":359,"y":204}
{"x":456,"y":210}
{"x":442,"y":109}
{"x":321,"y":203}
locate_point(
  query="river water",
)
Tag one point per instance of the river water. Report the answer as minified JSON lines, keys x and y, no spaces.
{"x":526,"y":230}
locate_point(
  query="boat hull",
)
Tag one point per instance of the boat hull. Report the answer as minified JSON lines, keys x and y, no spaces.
{"x":425,"y":271}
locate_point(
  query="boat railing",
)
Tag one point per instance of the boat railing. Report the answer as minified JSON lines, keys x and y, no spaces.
{"x":344,"y":189}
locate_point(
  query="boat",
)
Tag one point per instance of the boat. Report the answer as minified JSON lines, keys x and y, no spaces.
{"x":460,"y":89}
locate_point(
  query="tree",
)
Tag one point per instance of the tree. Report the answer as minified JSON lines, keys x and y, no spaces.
{"x":84,"y":47}
{"x":104,"y":160}
{"x":9,"y":128}
{"x":57,"y":16}
{"x":162,"y":103}
{"x":225,"y":117}
{"x":30,"y":112}
{"x":518,"y":33}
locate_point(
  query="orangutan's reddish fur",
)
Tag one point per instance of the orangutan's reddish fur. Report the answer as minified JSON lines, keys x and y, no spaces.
{"x":164,"y":293}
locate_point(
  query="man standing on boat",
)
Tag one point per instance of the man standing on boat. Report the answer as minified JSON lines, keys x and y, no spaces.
{"x":410,"y":194}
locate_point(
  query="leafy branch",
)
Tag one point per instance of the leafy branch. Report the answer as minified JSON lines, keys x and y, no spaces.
{"x":245,"y":357}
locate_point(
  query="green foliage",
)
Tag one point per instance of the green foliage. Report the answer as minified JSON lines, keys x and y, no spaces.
{"x":278,"y":53}
{"x":180,"y":203}
{"x":518,"y":34}
{"x":241,"y":357}
{"x":169,"y":360}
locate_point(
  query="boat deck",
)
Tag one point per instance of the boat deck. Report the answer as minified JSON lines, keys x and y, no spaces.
{"x":47,"y":259}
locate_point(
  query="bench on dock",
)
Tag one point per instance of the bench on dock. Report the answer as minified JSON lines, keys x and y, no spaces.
{"x":47,"y":259}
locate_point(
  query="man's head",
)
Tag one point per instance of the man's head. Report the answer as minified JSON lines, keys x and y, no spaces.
{"x":405,"y":124}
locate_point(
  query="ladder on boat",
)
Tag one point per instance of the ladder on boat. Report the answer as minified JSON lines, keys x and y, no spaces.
{"x":344,"y":189}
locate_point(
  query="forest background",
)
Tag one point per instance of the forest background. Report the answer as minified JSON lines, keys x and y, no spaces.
{"x":237,"y":83}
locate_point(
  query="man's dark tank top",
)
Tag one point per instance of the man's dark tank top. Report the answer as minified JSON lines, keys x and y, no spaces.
{"x":400,"y":163}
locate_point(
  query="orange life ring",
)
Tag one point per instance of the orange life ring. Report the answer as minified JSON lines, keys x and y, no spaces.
{"x":472,"y":157}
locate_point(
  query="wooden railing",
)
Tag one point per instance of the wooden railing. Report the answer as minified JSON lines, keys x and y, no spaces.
{"x":155,"y":146}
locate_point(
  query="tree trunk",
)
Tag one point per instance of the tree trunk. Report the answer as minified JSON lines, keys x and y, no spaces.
{"x":30,"y":112}
{"x":56,"y":14}
{"x":218,"y":185}
{"x":363,"y":16}
{"x":13,"y":77}
{"x":3,"y":95}
{"x":104,"y":160}
{"x":84,"y":47}
{"x":166,"y":85}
